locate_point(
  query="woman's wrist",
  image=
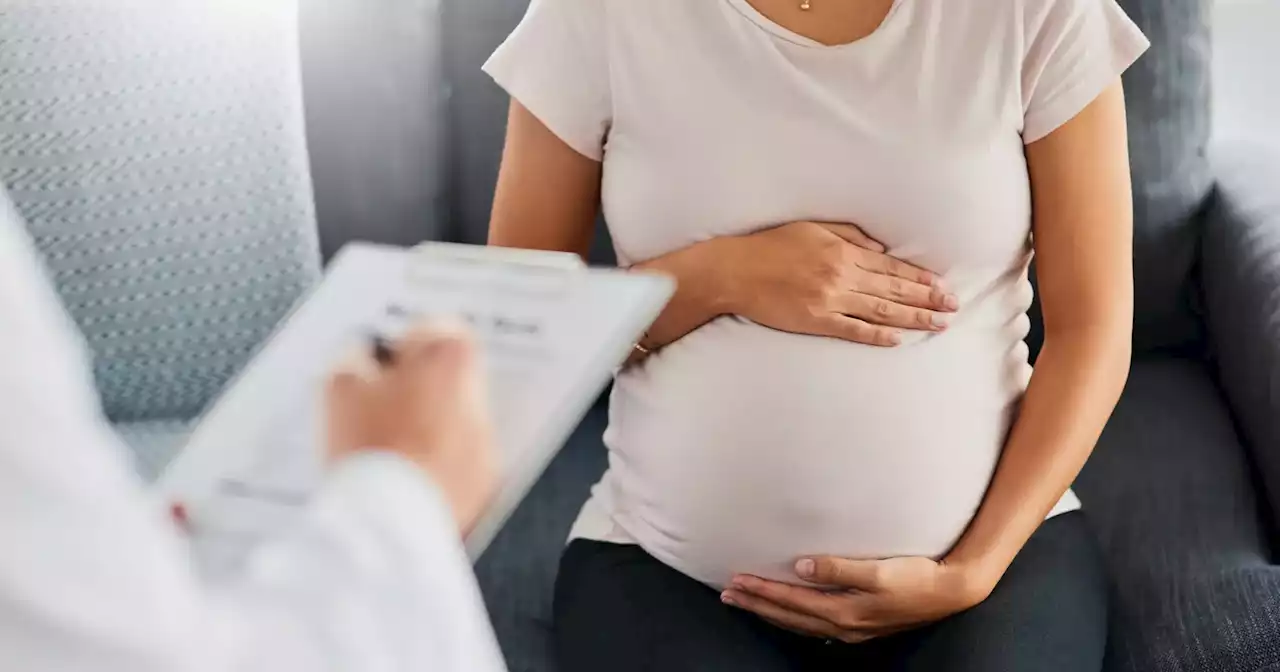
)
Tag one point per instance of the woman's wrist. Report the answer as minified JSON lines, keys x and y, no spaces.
{"x":994,"y":538}
{"x":974,"y":577}
{"x":707,"y":288}
{"x":701,"y":271}
{"x":721,"y":274}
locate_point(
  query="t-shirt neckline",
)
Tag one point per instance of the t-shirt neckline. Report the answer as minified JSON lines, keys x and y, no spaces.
{"x":750,"y":12}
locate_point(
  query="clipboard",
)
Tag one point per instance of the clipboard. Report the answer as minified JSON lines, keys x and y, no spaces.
{"x":551,"y":330}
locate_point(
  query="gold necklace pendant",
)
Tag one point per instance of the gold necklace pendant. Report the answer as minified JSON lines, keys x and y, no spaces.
{"x":805,"y":6}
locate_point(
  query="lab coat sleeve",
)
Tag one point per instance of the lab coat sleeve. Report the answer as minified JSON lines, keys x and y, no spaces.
{"x":91,"y":578}
{"x":94,"y":577}
{"x":374,"y":580}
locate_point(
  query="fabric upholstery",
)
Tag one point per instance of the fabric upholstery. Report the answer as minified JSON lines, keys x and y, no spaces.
{"x":1241,"y":270}
{"x":154,"y":443}
{"x":1170,"y":493}
{"x":157,"y":150}
{"x":1169,"y":101}
{"x":517,"y":573}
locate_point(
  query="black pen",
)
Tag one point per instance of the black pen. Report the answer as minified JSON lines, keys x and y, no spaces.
{"x":382,"y":352}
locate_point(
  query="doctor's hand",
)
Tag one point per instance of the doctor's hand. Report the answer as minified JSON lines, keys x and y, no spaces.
{"x":831,"y":280}
{"x":425,"y":401}
{"x":861,"y":599}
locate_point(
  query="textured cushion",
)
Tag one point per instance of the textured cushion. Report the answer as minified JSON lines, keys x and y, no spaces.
{"x":517,"y":573}
{"x":156,"y":148}
{"x":1169,"y":122}
{"x":1241,"y":269}
{"x":154,"y":443}
{"x":1170,"y":494}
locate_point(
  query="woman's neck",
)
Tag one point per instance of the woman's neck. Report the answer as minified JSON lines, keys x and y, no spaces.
{"x":829,"y":22}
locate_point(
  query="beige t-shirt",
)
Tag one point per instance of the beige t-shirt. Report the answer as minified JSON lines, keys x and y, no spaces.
{"x":739,"y":448}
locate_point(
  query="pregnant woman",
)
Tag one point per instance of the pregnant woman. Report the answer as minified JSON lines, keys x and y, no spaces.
{"x":831,"y":452}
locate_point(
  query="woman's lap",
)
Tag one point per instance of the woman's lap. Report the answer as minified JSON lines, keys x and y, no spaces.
{"x":617,"y":608}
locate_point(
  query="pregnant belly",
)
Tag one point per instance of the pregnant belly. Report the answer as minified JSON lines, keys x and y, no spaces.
{"x":740,"y":448}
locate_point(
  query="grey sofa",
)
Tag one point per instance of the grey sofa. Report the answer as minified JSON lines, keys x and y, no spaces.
{"x":211,"y":235}
{"x":1184,"y":488}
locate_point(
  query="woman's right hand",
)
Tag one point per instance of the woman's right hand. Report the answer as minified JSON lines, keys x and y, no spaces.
{"x":426,"y":402}
{"x":830,"y":280}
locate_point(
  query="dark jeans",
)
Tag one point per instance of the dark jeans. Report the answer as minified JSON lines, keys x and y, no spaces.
{"x":618,"y":609}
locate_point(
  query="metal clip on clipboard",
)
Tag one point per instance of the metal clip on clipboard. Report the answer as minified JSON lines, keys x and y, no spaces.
{"x":458,"y":253}
{"x":532,"y":274}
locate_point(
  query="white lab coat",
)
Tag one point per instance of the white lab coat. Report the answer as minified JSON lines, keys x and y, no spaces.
{"x":94,"y":577}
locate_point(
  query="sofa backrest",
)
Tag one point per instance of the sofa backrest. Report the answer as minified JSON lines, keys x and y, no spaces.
{"x":156,"y":149}
{"x":375,"y":119}
{"x":1169,"y":101}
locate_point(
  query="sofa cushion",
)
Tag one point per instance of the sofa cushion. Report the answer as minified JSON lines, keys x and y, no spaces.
{"x":1241,"y":270}
{"x":1170,"y":493}
{"x":157,"y":151}
{"x":517,"y":573}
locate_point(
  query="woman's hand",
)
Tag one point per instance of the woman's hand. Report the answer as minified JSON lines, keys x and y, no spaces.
{"x":866,"y":598}
{"x":832,"y":280}
{"x":425,"y":402}
{"x":806,"y":278}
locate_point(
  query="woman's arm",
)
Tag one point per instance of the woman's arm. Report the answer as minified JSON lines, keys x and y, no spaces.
{"x":1083,"y":226}
{"x":548,"y":197}
{"x":803,"y":277}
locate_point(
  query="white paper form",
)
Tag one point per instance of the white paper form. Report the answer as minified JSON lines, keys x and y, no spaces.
{"x":550,"y":335}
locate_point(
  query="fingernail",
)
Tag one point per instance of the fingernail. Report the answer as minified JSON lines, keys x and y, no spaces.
{"x":941,"y":321}
{"x":727,"y":599}
{"x":895,"y":338}
{"x":951,"y":302}
{"x":805,"y":568}
{"x":740,"y":582}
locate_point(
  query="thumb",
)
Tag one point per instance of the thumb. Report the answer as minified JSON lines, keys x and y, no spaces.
{"x":839,"y":572}
{"x":853,"y":235}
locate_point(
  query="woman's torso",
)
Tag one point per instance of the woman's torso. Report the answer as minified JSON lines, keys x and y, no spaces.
{"x":739,"y":448}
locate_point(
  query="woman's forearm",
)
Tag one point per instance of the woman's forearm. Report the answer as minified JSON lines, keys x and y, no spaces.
{"x":1077,"y":381}
{"x":702,"y":290}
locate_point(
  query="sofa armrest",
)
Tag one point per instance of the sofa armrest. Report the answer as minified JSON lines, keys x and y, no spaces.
{"x":1241,"y":284}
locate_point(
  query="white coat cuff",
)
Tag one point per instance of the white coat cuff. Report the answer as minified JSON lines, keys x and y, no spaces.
{"x":388,"y":488}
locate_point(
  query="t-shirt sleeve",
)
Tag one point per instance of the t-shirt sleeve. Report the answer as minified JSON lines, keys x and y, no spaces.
{"x":556,"y":65}
{"x":1075,"y":49}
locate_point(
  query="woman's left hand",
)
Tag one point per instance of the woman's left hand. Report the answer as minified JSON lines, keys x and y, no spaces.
{"x":866,"y":598}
